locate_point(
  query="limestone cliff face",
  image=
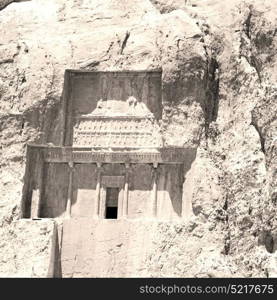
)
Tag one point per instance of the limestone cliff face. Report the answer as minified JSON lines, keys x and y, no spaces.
{"x":219,"y":88}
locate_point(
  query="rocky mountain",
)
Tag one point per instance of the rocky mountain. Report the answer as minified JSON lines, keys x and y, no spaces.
{"x":219,"y":63}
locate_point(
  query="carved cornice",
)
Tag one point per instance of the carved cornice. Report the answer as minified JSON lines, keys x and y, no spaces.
{"x":90,"y":155}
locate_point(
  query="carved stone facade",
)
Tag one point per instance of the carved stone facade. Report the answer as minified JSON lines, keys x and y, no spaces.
{"x":111,"y":162}
{"x":109,"y":142}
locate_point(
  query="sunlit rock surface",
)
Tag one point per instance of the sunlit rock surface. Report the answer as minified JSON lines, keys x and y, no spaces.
{"x":219,"y":95}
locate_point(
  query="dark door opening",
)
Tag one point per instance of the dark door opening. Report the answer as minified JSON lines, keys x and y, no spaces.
{"x":111,"y":203}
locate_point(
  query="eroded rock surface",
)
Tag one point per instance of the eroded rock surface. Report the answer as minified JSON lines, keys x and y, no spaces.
{"x":219,"y":95}
{"x":28,"y":249}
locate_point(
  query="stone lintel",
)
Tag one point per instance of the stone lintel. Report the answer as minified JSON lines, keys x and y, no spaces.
{"x":115,"y":73}
{"x":127,"y":156}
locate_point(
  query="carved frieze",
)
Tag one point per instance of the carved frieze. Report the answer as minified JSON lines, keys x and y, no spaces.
{"x":116,"y":132}
{"x":88,"y":155}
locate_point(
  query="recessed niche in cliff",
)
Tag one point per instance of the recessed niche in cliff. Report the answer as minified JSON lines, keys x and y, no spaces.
{"x":110,"y":119}
{"x":269,"y":241}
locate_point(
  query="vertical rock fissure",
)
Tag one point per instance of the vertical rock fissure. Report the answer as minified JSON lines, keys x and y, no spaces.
{"x":262,"y":139}
{"x":251,"y":59}
{"x":125,"y":42}
{"x":228,"y":234}
{"x":247,"y":23}
{"x":212,"y":93}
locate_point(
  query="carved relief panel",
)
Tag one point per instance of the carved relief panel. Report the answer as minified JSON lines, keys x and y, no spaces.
{"x":87,"y":88}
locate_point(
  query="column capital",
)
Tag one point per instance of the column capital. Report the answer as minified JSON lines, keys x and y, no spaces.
{"x":71,"y":164}
{"x":155,"y":165}
{"x":128,"y":168}
{"x":99,"y":169}
{"x":155,"y":170}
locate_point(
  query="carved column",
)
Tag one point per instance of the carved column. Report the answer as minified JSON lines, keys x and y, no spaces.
{"x":41,"y":188}
{"x":126,"y":191}
{"x":98,"y":191}
{"x":155,"y":190}
{"x":69,"y":193}
{"x":35,"y":198}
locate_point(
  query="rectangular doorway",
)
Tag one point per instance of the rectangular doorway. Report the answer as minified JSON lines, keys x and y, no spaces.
{"x":112,"y":194}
